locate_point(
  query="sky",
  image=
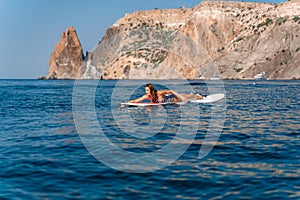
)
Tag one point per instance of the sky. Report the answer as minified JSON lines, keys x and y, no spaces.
{"x":30,"y":29}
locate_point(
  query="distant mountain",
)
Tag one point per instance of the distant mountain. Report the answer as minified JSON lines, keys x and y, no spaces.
{"x":230,"y":40}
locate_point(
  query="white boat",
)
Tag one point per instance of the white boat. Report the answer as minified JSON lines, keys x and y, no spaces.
{"x":260,"y":76}
{"x":215,"y":78}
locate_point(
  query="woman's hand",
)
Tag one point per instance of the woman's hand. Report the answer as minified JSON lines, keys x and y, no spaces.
{"x":139,"y":99}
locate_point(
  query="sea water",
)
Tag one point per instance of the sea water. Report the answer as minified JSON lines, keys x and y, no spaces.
{"x":71,"y":140}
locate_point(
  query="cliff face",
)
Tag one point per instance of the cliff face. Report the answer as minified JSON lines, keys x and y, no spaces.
{"x":67,"y":57}
{"x":226,"y":39}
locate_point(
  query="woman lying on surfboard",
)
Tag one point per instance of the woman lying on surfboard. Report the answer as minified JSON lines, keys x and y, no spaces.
{"x":161,"y":96}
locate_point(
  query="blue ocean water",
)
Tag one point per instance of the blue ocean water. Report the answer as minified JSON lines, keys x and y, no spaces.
{"x":44,"y":155}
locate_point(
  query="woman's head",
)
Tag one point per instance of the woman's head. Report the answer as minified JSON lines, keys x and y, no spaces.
{"x":151,"y":92}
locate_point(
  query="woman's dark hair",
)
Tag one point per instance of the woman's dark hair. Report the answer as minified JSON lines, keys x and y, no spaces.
{"x":153,"y":92}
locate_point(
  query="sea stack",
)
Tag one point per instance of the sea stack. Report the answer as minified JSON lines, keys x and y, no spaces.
{"x":67,"y":56}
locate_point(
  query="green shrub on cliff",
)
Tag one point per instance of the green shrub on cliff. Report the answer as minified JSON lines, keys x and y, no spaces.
{"x":281,"y":20}
{"x":296,"y":18}
{"x":266,"y":23}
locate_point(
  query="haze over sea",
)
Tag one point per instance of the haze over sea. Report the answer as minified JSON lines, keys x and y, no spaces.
{"x":44,"y":156}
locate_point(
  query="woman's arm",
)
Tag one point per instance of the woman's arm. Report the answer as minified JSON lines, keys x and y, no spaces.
{"x":139,"y":99}
{"x":164,"y":92}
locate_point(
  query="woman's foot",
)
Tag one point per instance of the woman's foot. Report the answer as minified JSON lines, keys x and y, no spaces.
{"x":199,"y":96}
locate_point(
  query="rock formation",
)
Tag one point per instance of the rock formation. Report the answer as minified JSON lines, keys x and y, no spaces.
{"x":67,"y":57}
{"x":231,"y":40}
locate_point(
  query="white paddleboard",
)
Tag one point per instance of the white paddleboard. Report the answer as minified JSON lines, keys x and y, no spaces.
{"x":209,"y":99}
{"x":145,"y":104}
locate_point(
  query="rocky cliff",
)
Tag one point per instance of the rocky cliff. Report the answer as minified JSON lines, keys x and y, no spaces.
{"x":232,"y":40}
{"x":67,"y":57}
